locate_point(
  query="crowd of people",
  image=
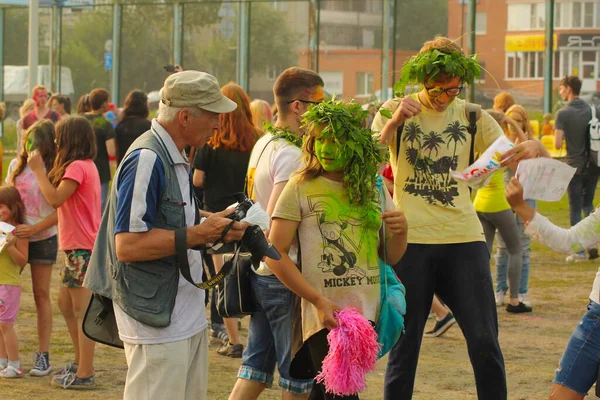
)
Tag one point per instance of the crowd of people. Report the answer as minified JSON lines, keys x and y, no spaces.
{"x":125,"y":198}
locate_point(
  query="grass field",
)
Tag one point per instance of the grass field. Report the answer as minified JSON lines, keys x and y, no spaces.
{"x":532,"y":343}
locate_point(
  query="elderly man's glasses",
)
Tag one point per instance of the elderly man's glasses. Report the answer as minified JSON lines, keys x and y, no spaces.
{"x":304,"y":101}
{"x":437,"y":91}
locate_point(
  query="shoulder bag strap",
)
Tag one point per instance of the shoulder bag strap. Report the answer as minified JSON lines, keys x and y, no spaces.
{"x":184,"y":266}
{"x":473,"y":114}
{"x":382,"y":196}
{"x":257,"y":161}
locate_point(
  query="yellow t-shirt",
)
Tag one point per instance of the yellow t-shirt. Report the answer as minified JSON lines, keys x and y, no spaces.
{"x":438,"y":209}
{"x":338,"y":246}
{"x":10,"y":272}
{"x":491,"y":199}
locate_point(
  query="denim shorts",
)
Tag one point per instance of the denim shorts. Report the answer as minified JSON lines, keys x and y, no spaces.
{"x":578,"y":367}
{"x":43,"y":251}
{"x":270,"y":337}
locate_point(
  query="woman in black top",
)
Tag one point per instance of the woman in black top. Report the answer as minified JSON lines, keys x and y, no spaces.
{"x":133,"y":121}
{"x":220,"y":169}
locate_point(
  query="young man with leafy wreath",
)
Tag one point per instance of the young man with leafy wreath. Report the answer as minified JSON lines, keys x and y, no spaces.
{"x":428,"y":135}
{"x":274,"y":157}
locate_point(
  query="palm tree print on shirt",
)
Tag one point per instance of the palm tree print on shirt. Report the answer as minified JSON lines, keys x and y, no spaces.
{"x":431,"y":178}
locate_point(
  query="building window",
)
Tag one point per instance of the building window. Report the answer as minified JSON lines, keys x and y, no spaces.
{"x":530,"y":65}
{"x":588,"y":15}
{"x":364,"y":84}
{"x":480,"y":22}
{"x":525,"y":65}
{"x":581,"y":14}
{"x":273,"y":72}
{"x":519,"y":18}
{"x":576,"y":22}
{"x":538,"y":16}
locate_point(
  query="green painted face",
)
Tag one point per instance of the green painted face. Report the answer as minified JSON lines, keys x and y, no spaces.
{"x":329,"y":155}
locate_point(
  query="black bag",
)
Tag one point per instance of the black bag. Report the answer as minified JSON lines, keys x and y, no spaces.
{"x":99,"y":322}
{"x":234,"y":293}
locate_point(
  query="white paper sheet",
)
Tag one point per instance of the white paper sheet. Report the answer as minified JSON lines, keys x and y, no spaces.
{"x":544,"y":178}
{"x":5,"y":229}
{"x":478,"y":174}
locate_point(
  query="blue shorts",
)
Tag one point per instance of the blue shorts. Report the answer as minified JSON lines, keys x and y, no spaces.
{"x":578,"y":367}
{"x":270,"y":337}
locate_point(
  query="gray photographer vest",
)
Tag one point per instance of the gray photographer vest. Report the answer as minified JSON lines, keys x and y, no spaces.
{"x":145,"y":290}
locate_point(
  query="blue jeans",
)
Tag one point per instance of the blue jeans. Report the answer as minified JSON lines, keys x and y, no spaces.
{"x":578,"y":367}
{"x":502,"y":258}
{"x":270,"y":336}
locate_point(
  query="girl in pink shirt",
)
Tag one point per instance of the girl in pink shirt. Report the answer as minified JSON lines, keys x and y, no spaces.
{"x":73,"y":188}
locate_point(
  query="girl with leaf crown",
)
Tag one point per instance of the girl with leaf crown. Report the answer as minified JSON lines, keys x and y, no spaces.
{"x":333,"y":206}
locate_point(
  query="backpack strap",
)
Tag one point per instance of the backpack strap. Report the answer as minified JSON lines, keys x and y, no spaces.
{"x":473,"y":112}
{"x":249,"y":191}
{"x":398,"y":139}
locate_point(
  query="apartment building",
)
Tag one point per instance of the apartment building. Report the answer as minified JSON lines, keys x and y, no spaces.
{"x":510,"y":39}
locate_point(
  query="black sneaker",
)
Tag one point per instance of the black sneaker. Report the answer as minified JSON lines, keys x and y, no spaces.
{"x":231,"y":350}
{"x":593,"y":253}
{"x":442,"y":326}
{"x":41,"y":364}
{"x":521,"y":308}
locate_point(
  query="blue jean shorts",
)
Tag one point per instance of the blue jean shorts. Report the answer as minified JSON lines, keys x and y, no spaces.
{"x":43,"y":251}
{"x":270,"y":336}
{"x":578,"y":367}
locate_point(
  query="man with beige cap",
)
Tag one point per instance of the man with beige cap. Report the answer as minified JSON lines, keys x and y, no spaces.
{"x":160,"y":315}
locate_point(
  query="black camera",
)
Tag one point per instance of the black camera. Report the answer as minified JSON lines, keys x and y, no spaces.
{"x":254,"y":240}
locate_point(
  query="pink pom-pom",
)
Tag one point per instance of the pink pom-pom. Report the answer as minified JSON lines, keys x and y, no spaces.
{"x":353,"y":351}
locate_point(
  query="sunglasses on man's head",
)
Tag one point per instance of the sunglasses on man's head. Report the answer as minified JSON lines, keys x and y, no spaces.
{"x":437,"y":91}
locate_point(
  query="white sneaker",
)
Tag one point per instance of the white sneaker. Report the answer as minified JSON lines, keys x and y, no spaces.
{"x":500,"y":298}
{"x":523,"y":298}
{"x":575,"y":258}
{"x":11,"y":372}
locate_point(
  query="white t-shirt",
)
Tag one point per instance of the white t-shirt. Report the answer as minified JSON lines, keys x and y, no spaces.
{"x":188,"y":317}
{"x":582,"y":236}
{"x":279,"y":159}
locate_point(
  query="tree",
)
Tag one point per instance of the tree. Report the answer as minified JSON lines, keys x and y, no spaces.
{"x":147,"y":44}
{"x":418,"y":21}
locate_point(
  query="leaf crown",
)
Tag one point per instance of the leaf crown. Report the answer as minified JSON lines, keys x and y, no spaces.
{"x":427,"y":65}
{"x":343,"y":121}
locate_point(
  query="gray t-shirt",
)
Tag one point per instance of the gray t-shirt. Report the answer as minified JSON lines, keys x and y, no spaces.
{"x":573,"y":120}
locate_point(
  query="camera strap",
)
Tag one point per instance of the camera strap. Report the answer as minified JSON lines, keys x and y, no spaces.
{"x":184,"y":266}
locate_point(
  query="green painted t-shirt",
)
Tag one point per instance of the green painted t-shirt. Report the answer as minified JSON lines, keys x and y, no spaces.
{"x":339,"y":246}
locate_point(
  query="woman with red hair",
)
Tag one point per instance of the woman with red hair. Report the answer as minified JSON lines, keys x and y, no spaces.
{"x":220,"y":170}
